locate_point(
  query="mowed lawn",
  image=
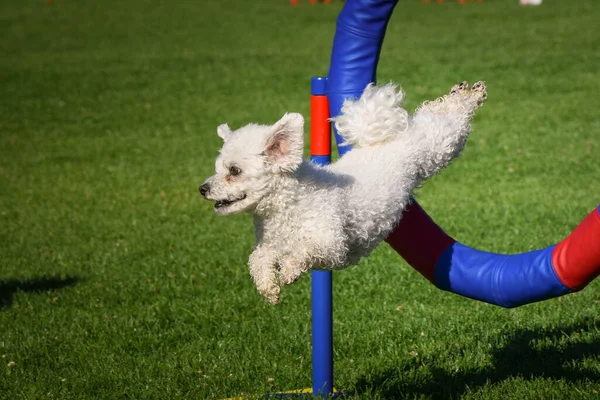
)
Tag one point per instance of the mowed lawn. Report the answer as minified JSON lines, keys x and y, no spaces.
{"x":118,"y":281}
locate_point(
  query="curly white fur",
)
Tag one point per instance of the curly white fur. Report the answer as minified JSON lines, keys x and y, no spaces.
{"x":378,"y":113}
{"x":311,"y":217}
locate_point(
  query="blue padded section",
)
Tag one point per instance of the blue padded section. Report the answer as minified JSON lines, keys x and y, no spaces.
{"x":357,"y":44}
{"x":500,"y":279}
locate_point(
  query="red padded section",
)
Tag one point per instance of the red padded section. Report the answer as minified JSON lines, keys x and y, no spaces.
{"x":419,"y":240}
{"x":576,"y":259}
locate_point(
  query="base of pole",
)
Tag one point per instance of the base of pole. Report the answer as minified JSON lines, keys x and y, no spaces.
{"x":302,"y":394}
{"x":291,"y":394}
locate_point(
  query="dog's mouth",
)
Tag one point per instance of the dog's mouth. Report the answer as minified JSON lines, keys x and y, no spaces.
{"x":225,"y":203}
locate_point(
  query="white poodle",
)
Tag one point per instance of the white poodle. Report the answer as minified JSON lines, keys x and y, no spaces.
{"x":307,"y":216}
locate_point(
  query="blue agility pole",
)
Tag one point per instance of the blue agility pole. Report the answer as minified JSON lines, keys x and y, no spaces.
{"x":322,"y":302}
{"x":499,"y":279}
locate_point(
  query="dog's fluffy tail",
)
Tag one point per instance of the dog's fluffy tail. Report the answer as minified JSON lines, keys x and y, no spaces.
{"x":375,"y":118}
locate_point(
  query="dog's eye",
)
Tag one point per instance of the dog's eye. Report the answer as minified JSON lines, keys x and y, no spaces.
{"x":234,"y":171}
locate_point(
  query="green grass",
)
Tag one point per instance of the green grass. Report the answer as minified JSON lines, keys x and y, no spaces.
{"x":117,"y":280}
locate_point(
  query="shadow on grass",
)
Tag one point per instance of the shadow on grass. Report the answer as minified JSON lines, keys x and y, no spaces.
{"x":519,"y":358}
{"x":9,"y":287}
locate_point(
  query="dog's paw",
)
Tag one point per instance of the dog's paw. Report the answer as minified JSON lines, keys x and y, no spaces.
{"x":289,"y":274}
{"x":474,"y":96}
{"x":271,"y":293}
{"x":460,"y":88}
{"x":479,"y":91}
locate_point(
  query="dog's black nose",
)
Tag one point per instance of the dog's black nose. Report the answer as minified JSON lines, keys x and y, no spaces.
{"x":204,"y":188}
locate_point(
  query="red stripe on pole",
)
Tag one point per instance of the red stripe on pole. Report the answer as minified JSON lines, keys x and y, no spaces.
{"x":320,"y":127}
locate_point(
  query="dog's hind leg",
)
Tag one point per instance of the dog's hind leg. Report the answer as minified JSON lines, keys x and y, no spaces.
{"x":441,"y":127}
{"x":454,"y":109}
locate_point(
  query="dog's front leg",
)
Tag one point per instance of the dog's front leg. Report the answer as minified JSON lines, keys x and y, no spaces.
{"x":263,"y":269}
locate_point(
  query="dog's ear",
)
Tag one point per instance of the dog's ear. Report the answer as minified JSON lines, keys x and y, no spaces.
{"x":285,"y":143}
{"x":223,"y":131}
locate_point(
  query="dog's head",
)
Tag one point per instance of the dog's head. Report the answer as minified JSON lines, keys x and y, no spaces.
{"x":250,"y":159}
